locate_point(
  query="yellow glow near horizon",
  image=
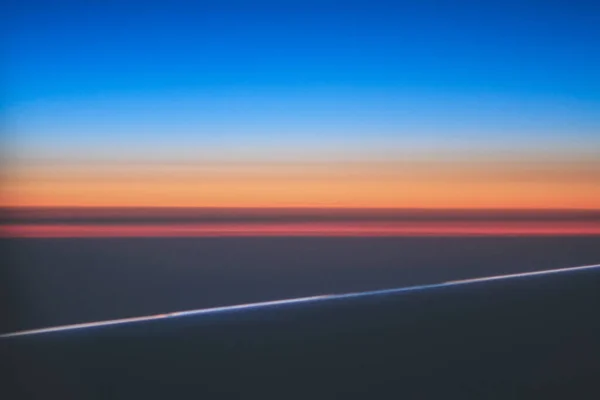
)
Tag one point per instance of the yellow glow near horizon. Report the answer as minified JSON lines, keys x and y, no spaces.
{"x":401,"y":185}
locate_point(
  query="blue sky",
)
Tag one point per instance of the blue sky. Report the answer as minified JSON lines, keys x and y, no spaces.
{"x":89,"y":78}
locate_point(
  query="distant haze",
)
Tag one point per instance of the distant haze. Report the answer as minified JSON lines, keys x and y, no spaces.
{"x":65,"y":222}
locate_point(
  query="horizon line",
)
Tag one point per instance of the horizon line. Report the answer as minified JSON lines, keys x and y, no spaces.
{"x":299,"y":207}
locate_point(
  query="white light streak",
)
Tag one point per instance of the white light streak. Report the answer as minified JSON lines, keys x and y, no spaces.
{"x":294,"y":301}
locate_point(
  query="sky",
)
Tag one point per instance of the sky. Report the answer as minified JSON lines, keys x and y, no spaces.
{"x":421,"y":104}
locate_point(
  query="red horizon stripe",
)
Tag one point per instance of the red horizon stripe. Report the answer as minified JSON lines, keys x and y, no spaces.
{"x":427,"y":228}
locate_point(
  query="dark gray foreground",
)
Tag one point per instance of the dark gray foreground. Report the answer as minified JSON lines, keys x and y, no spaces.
{"x":531,"y":337}
{"x":49,"y":282}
